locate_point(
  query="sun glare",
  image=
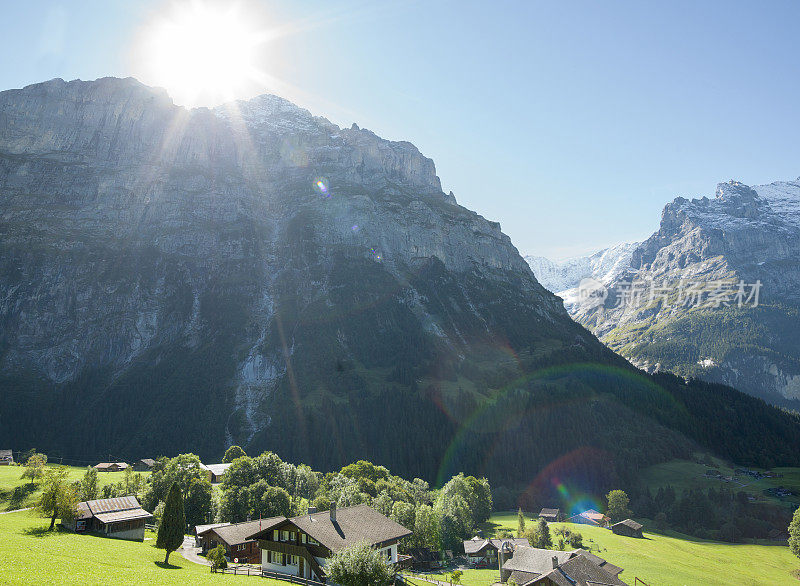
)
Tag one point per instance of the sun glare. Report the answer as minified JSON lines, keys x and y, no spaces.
{"x":202,"y":53}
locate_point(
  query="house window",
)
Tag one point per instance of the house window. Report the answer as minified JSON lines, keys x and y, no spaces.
{"x":294,"y":560}
{"x":389,"y":553}
{"x":312,"y":541}
{"x":303,"y":537}
{"x":275,"y":534}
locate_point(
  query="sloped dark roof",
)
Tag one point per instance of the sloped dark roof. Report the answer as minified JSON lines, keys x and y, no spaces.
{"x":534,"y":560}
{"x":629,"y":523}
{"x":123,"y":508}
{"x":607,"y":566}
{"x":122,"y":503}
{"x":549,"y":513}
{"x":476,"y":544}
{"x":353,"y":525}
{"x":147,"y":462}
{"x":128,"y":515}
{"x":200,"y":529}
{"x":239,"y":533}
{"x":578,"y":571}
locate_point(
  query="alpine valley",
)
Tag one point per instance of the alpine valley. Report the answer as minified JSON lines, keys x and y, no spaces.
{"x":180,"y":280}
{"x":747,"y":235}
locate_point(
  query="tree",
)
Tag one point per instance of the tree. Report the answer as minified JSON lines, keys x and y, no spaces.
{"x":539,"y":535}
{"x":232,"y":453}
{"x":794,"y":533}
{"x":618,"y":502}
{"x":455,"y":576}
{"x":661,"y":521}
{"x":173,"y":523}
{"x":520,"y":523}
{"x":198,"y":501}
{"x":89,"y":484}
{"x":426,"y":528}
{"x":217,"y":558}
{"x":358,"y":565}
{"x":59,"y":497}
{"x":34,"y":467}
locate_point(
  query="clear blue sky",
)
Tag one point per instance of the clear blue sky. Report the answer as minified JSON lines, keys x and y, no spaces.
{"x":570,"y":122}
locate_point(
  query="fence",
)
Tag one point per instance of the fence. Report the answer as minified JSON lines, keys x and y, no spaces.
{"x":238,"y":571}
{"x":291,"y":579}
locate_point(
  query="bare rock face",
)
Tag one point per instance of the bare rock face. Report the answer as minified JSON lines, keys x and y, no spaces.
{"x":743,"y":235}
{"x":213,"y":262}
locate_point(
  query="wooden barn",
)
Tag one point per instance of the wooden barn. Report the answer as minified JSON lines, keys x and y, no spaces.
{"x":122,"y":517}
{"x":628,"y":527}
{"x":111,"y":466}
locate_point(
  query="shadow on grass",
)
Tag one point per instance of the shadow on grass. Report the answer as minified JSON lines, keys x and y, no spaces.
{"x":42,"y":531}
{"x":164,"y":566}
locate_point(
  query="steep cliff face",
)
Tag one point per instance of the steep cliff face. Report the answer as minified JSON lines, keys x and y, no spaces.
{"x":743,"y":237}
{"x":176,"y":280}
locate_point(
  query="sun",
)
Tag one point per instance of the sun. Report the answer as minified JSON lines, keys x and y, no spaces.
{"x":203,"y":53}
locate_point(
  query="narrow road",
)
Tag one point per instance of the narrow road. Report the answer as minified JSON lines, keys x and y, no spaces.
{"x":15,"y":511}
{"x":192,"y":553}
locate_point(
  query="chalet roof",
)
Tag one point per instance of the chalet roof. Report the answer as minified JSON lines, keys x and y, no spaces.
{"x":123,"y":508}
{"x":534,"y":560}
{"x":147,"y":462}
{"x":477,"y":544}
{"x":199,"y":529}
{"x":216,"y":469}
{"x":123,"y":515}
{"x":122,"y":503}
{"x":578,"y":571}
{"x":103,"y":465}
{"x":239,"y":533}
{"x":549,"y":513}
{"x":7,"y":455}
{"x":629,"y":523}
{"x":353,"y":525}
{"x":591,"y":515}
{"x":607,"y":566}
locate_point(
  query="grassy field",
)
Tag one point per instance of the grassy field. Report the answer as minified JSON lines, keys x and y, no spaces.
{"x":16,"y":493}
{"x":470,"y":578}
{"x":673,"y":559}
{"x":685,"y":474}
{"x":31,"y":555}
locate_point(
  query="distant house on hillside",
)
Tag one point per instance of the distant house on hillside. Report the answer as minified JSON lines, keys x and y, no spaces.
{"x":300,"y":546}
{"x":628,"y":527}
{"x":590,"y":517}
{"x":123,"y":518}
{"x":111,"y":466}
{"x":545,"y":567}
{"x":484,"y":552}
{"x":6,"y":457}
{"x":234,"y":538}
{"x":144,"y":465}
{"x":215,"y":471}
{"x":549,"y":515}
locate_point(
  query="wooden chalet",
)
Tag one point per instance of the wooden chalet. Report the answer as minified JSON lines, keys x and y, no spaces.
{"x":215,"y":471}
{"x":483,"y":553}
{"x":628,"y":527}
{"x":550,"y":515}
{"x":122,"y":517}
{"x":6,"y":457}
{"x":235,"y":539}
{"x":545,"y":567}
{"x":590,"y":517}
{"x":111,"y":466}
{"x":301,"y":545}
{"x":144,"y":465}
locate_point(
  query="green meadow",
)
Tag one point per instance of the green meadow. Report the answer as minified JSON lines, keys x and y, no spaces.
{"x":16,"y":493}
{"x":673,"y":559}
{"x":29,"y":554}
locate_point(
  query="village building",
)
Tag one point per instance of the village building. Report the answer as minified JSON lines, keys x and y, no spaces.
{"x":215,"y":471}
{"x":199,"y":530}
{"x":301,"y":545}
{"x":546,"y":567}
{"x":628,"y":527}
{"x":483,"y":553}
{"x":6,"y":457}
{"x":122,"y":518}
{"x":111,"y":466}
{"x":549,"y":515}
{"x":590,"y":517}
{"x":234,"y":538}
{"x":144,"y":465}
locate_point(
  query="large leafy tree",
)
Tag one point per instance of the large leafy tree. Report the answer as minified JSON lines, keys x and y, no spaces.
{"x":184,"y":470}
{"x":618,"y":502}
{"x":232,"y":453}
{"x":34,"y":467}
{"x":794,"y":533}
{"x":59,"y":497}
{"x":539,"y":535}
{"x":198,"y":501}
{"x":173,"y":523}
{"x":89,"y":490}
{"x":358,"y":565}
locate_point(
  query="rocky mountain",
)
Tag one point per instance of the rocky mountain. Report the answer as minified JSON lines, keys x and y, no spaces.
{"x":175,"y":280}
{"x":714,"y":293}
{"x":564,"y":277}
